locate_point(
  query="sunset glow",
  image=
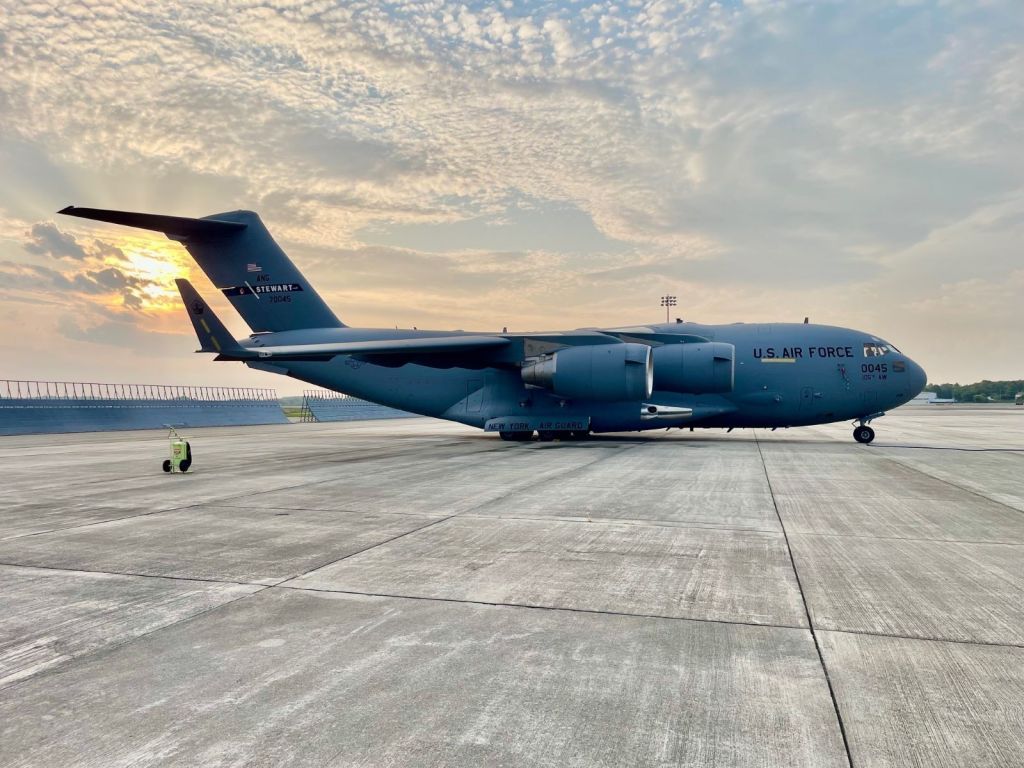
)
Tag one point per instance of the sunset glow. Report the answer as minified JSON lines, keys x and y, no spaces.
{"x":537,"y":165}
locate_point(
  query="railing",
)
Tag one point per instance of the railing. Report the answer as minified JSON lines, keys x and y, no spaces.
{"x":327,"y":394}
{"x":77,"y":390}
{"x":28,"y":407}
{"x":323,"y":404}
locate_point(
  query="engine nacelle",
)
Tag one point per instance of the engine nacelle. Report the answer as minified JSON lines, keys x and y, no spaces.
{"x":703,"y":368}
{"x":606,"y":372}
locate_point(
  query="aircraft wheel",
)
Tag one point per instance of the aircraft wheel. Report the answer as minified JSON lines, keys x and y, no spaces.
{"x":167,"y":465}
{"x":864,"y":434}
{"x":518,"y":437}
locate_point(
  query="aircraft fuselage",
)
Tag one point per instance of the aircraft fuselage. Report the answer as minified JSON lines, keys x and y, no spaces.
{"x":786,"y":374}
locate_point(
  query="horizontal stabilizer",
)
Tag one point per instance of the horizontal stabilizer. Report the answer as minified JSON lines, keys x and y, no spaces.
{"x":213,"y":336}
{"x":177,"y":227}
{"x":414,"y":346}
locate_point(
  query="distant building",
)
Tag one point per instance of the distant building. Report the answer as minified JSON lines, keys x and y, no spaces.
{"x":930,"y":398}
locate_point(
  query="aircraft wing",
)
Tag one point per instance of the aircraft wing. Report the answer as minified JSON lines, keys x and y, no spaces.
{"x":402,"y":348}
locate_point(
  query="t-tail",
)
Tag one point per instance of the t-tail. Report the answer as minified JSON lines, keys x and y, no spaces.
{"x":237,"y":253}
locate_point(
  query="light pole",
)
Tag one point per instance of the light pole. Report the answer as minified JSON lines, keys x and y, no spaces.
{"x":666,"y":302}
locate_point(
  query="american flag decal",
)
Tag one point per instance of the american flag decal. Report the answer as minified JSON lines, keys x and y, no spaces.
{"x":253,"y":268}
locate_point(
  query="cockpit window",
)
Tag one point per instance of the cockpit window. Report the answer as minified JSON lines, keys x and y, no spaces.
{"x":872,"y":349}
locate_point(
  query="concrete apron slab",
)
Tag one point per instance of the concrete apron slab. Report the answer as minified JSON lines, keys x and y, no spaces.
{"x":927,"y":589}
{"x":959,"y":517}
{"x":668,"y":503}
{"x":449,"y":487}
{"x":700,"y":573}
{"x":105,"y":486}
{"x":49,"y":617}
{"x":296,"y":678}
{"x":927,"y":703}
{"x":211,"y":542}
{"x":995,"y":475}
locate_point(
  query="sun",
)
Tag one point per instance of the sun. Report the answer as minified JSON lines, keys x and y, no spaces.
{"x":155,"y":265}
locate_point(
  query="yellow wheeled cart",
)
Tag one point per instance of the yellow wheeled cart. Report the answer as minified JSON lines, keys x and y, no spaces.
{"x":181,"y":453}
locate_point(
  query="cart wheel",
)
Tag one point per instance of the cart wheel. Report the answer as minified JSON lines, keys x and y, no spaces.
{"x":167,"y":465}
{"x":184,"y":465}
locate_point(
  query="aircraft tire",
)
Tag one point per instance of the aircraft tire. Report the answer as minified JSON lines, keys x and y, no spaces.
{"x":518,"y":437}
{"x":864,"y":434}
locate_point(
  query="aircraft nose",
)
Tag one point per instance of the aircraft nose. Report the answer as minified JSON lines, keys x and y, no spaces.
{"x":918,"y":378}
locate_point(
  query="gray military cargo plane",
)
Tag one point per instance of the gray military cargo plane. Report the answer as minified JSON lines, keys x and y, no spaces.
{"x":564,"y":385}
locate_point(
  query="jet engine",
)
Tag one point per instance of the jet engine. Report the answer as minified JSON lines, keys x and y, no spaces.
{"x":702,"y":368}
{"x":607,"y":372}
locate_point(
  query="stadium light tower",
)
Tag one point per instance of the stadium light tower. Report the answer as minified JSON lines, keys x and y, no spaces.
{"x":666,"y":302}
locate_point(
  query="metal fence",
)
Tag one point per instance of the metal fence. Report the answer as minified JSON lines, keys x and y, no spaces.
{"x":87,"y":390}
{"x":72,"y":406}
{"x":325,"y":405}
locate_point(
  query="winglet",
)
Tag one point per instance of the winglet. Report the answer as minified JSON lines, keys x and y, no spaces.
{"x":213,"y":336}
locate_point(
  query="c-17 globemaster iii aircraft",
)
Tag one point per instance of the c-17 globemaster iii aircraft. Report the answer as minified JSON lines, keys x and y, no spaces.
{"x":564,"y":384}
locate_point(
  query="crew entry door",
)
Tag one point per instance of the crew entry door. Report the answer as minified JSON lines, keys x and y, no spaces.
{"x":806,"y":398}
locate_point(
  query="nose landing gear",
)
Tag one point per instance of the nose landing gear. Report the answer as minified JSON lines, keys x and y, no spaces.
{"x":863,"y":434}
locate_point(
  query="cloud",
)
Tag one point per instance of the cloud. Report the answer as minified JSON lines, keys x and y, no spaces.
{"x":124,"y":334}
{"x":737,"y":150}
{"x":21,"y":281}
{"x":47,"y":240}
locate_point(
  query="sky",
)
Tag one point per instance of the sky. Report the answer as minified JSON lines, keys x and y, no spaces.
{"x":538,"y":166}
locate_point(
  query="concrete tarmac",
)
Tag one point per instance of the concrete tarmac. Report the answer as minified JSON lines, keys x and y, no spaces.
{"x":416,"y":593}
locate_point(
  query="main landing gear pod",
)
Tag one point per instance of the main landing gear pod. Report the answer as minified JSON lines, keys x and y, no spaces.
{"x":181,"y":453}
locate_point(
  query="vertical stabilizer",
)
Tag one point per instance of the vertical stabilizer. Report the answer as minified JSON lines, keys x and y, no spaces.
{"x":258,"y":278}
{"x":240,"y":257}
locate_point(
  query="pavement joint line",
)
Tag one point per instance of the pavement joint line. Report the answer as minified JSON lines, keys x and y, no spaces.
{"x":534,"y":607}
{"x":364,"y":549}
{"x":807,"y":610}
{"x":107,"y":649}
{"x":954,"y":640}
{"x":284,"y":585}
{"x":99,"y":522}
{"x":660,"y":523}
{"x":226,"y":582}
{"x":618,"y":521}
{"x":908,"y":538}
{"x":320,"y":509}
{"x":950,"y":448}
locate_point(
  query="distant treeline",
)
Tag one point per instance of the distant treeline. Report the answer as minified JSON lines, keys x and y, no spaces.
{"x":982,"y":392}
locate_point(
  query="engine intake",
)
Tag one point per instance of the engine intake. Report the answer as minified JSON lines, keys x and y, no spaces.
{"x":703,"y":368}
{"x":606,"y":372}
